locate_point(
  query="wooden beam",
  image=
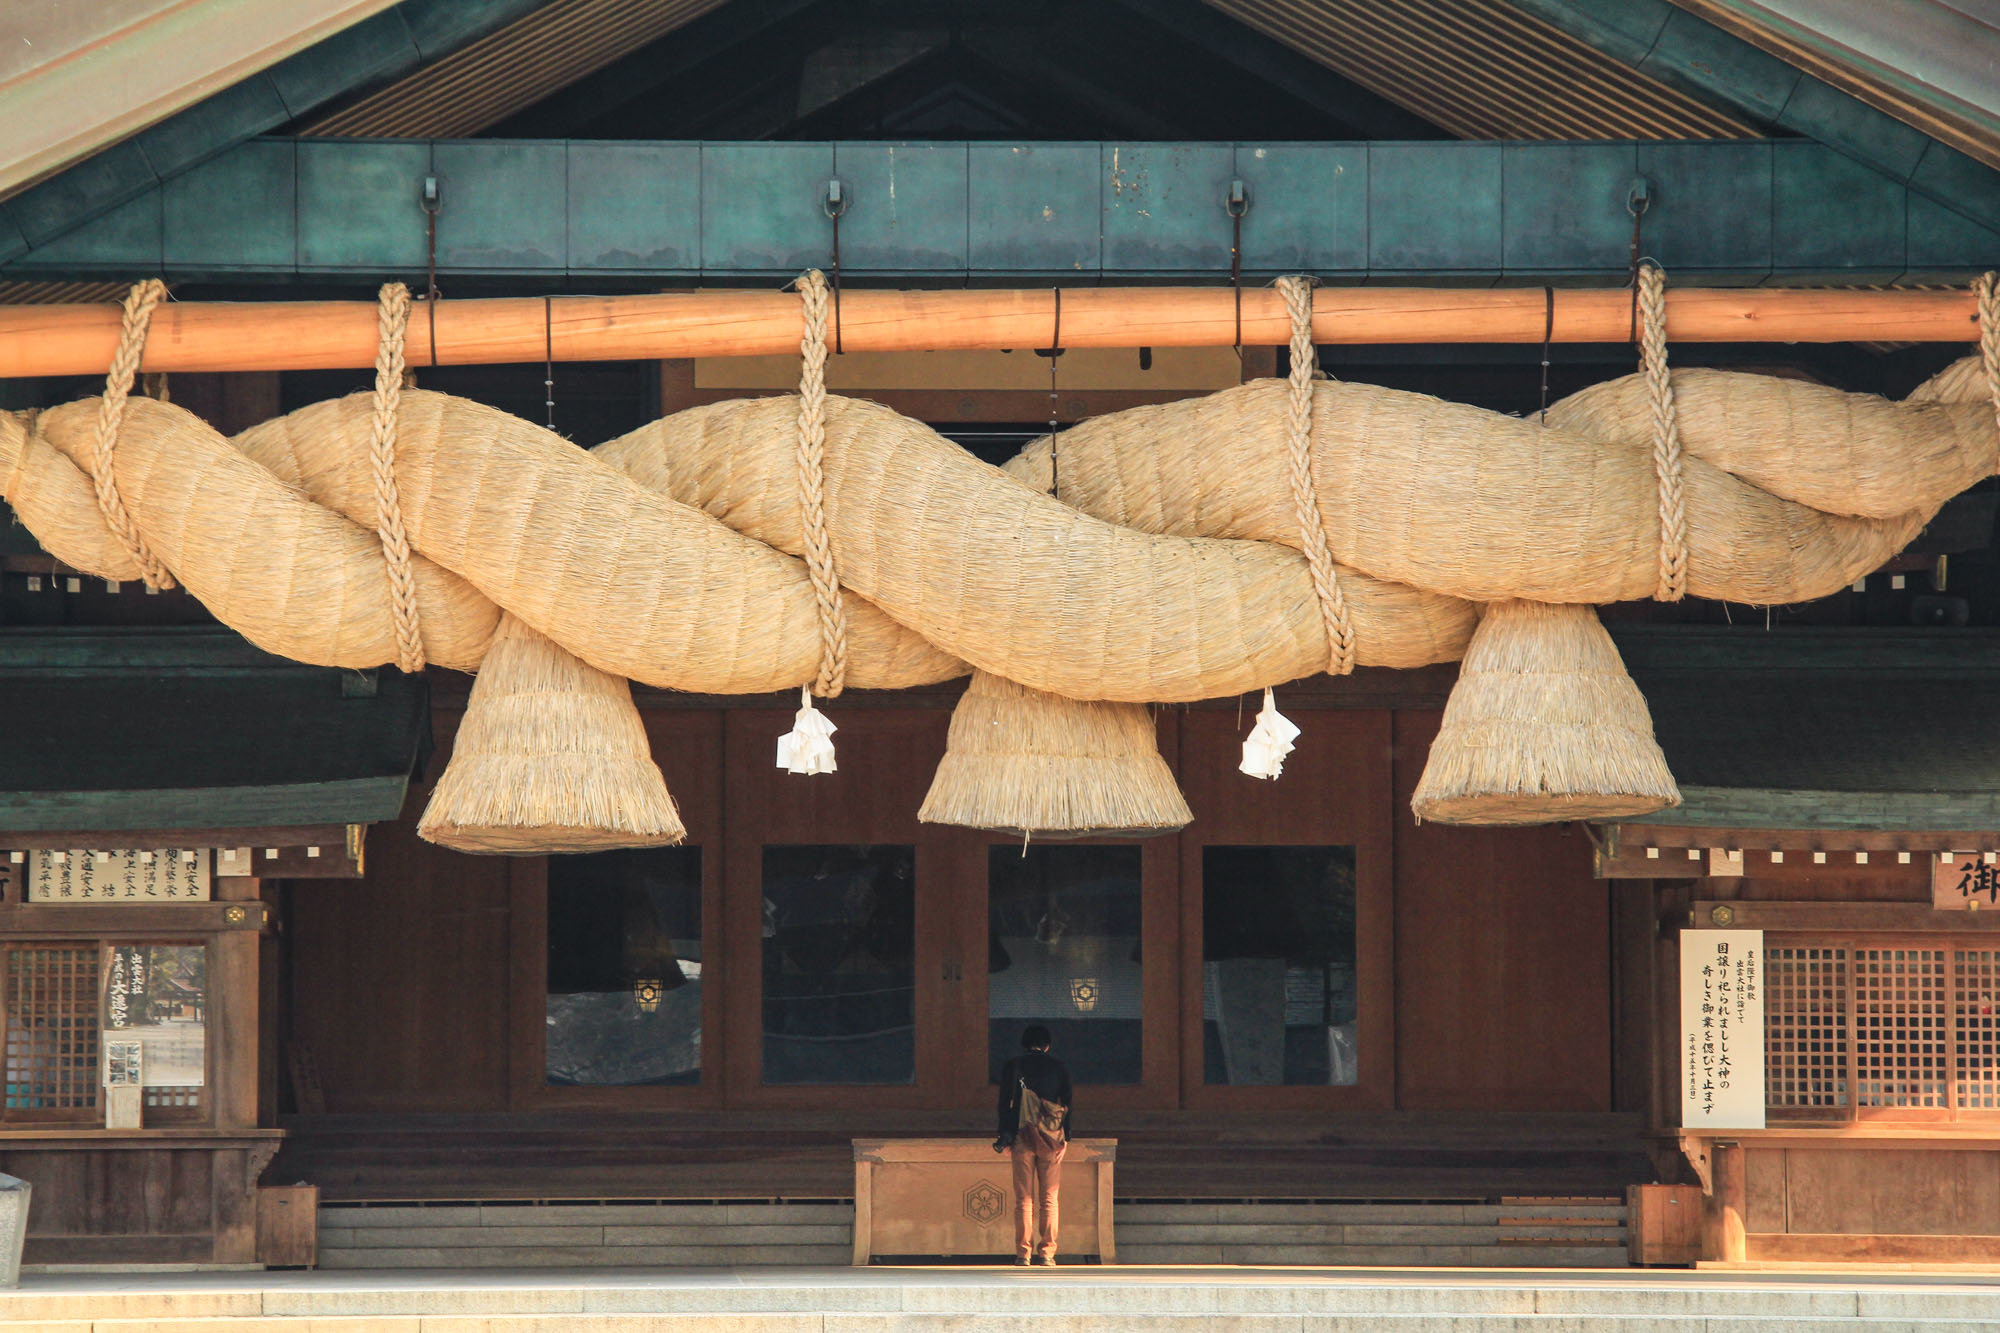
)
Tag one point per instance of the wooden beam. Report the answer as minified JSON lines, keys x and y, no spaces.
{"x":327,"y":335}
{"x":1845,"y":917}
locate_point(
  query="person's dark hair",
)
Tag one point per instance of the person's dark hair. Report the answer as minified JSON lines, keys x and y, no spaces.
{"x":1036,"y":1038}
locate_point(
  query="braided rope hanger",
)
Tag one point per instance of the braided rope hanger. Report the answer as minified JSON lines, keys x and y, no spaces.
{"x":1305,"y":496}
{"x":392,"y":323}
{"x":812,"y":490}
{"x":138,"y":318}
{"x":1987,"y":288}
{"x":1667,"y":463}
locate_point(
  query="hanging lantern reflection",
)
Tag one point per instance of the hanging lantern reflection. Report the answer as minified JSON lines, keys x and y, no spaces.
{"x":1084,"y":992}
{"x":646,"y":993}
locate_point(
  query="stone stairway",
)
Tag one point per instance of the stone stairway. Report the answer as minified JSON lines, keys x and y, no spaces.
{"x":1507,"y":1233}
{"x":958,"y":1301}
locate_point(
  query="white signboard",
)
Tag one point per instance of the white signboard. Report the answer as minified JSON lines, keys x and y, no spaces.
{"x":1722,"y":1029}
{"x":146,"y":875}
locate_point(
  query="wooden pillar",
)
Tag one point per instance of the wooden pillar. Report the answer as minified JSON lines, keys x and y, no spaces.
{"x":233,"y":1003}
{"x":1723,"y":1235}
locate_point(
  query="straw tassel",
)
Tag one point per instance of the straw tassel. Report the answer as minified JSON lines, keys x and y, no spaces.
{"x":550,"y":757}
{"x":1269,"y":741}
{"x":1543,"y":725}
{"x":1021,"y":761}
{"x":808,"y":746}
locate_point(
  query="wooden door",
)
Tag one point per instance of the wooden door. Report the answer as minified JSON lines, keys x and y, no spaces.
{"x":1081,"y":936}
{"x":839,"y":967}
{"x":1250,"y":1036}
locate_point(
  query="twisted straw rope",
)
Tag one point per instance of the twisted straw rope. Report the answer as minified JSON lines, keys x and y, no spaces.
{"x":139,"y":303}
{"x":392,"y":321}
{"x":812,"y":490}
{"x":1305,"y":496}
{"x":1988,"y":290}
{"x":1666,"y":433}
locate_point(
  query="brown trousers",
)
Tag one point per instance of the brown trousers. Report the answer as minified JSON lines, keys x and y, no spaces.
{"x":1038,"y":1159}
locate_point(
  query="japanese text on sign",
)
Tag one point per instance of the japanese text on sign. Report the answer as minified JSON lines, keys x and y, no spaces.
{"x":1722,"y":1029}
{"x":82,"y":875}
{"x":1964,"y":881}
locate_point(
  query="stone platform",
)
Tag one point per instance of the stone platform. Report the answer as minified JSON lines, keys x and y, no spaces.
{"x":959,"y":1300}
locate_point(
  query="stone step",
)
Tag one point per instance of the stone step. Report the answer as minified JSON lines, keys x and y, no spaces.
{"x":846,"y":1301}
{"x":986,"y":1322}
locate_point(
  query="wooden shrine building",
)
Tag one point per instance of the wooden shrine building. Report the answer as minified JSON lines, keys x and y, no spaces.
{"x":229,"y":965}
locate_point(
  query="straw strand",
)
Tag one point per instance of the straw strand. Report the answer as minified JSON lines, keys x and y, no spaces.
{"x":1988,"y":290}
{"x":138,"y":318}
{"x":812,"y":490}
{"x":392,"y":321}
{"x":1666,"y":433}
{"x":1305,"y":497}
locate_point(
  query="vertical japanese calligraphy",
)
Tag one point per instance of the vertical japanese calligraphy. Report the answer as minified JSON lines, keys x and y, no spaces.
{"x":1722,"y":1029}
{"x":151,"y":875}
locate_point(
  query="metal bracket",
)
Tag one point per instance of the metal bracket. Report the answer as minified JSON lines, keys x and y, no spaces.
{"x":1639,"y":196}
{"x":835,"y":202}
{"x":1237,"y":201}
{"x":432,"y":199}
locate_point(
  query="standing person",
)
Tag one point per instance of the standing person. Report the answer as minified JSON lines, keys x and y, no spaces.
{"x":1034,"y":1125}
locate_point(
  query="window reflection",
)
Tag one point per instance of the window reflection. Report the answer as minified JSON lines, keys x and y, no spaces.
{"x":840,"y":964}
{"x":624,"y":979}
{"x":1278,"y":976}
{"x":1063,"y":950}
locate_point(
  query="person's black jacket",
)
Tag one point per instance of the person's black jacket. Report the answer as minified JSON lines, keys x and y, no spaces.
{"x":1046,"y":1076}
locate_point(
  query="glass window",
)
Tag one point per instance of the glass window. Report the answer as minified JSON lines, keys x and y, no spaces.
{"x":624,"y":994}
{"x":1277,"y":965}
{"x":840,"y":945}
{"x":1062,"y":950}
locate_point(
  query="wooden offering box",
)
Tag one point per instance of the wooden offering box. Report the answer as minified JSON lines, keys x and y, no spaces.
{"x":955,"y":1197}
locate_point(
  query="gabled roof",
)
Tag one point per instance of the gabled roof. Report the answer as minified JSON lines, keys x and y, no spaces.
{"x":1509,"y":69}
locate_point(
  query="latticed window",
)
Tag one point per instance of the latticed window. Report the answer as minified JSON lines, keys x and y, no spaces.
{"x":51,"y":1032}
{"x":1873,"y":1027}
{"x":1805,"y":1023}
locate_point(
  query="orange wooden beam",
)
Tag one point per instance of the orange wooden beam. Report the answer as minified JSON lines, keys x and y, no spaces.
{"x":330,"y":335}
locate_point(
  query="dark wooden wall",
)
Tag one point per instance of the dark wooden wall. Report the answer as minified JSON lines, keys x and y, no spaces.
{"x":400,"y":979}
{"x":1503,"y":970}
{"x":1499,"y":998}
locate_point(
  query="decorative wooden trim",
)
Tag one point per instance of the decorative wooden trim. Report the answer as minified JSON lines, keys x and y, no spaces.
{"x":1846,"y":918}
{"x":116,"y":921}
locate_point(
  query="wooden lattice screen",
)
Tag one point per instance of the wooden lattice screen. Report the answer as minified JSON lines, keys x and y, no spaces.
{"x":1901,"y":1028}
{"x":1976,"y":986}
{"x":51,"y":1025}
{"x":1805,"y":1020}
{"x":1874,"y":1027}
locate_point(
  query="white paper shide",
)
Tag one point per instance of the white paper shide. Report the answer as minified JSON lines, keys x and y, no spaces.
{"x":808,"y":746}
{"x":1269,"y":741}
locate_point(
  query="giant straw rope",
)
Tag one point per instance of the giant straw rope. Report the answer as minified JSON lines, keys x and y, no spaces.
{"x":1200,"y":548}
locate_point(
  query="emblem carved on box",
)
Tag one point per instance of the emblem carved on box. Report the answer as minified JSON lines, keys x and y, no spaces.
{"x":984,"y":1202}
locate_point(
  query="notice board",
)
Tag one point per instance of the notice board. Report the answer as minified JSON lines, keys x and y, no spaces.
{"x":1722,"y":1029}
